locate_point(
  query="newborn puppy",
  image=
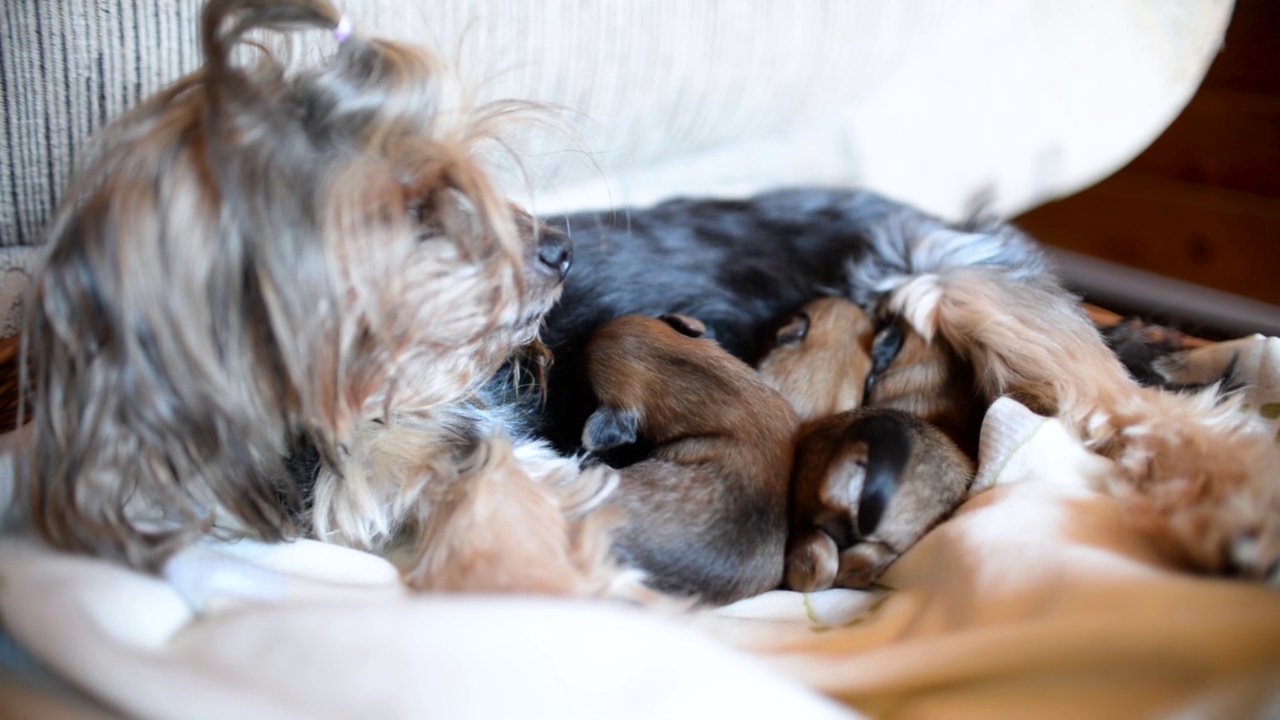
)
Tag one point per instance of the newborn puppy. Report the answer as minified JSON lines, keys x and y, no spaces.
{"x":829,"y":358}
{"x":705,"y":502}
{"x":867,"y":485}
{"x":820,"y":358}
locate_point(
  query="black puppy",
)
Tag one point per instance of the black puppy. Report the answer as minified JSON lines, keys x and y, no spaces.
{"x":743,"y":266}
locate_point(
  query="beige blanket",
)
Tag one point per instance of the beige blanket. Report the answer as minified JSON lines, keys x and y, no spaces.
{"x":1037,"y":599}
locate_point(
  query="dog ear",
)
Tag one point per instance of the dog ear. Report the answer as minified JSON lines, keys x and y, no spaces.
{"x":888,"y":442}
{"x":795,"y":330}
{"x":685,"y":325}
{"x":610,"y":427}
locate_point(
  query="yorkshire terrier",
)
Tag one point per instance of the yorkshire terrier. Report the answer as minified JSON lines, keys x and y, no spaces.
{"x":711,"y":446}
{"x":819,"y":358}
{"x":744,"y":266}
{"x":274,"y":259}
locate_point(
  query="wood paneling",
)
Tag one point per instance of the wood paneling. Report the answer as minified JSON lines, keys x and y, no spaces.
{"x":1200,"y":233}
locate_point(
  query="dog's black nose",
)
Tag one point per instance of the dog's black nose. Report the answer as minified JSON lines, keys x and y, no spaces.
{"x":555,"y":252}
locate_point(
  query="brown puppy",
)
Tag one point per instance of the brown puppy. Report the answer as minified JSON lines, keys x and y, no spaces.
{"x":706,"y":502}
{"x":828,"y":358}
{"x":867,"y":485}
{"x":819,"y":360}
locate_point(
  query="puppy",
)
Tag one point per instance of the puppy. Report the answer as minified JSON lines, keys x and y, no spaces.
{"x":706,"y":502}
{"x":271,"y":261}
{"x":743,"y":267}
{"x":867,"y":485}
{"x":820,"y":358}
{"x":1196,"y":469}
{"x":829,"y":358}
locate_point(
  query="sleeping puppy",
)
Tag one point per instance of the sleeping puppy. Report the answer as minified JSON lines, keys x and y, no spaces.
{"x":831,"y":357}
{"x":709,"y":448}
{"x":867,"y":485}
{"x":820,"y":360}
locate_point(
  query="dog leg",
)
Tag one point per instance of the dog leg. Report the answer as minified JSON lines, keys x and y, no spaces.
{"x":499,"y":530}
{"x":1199,"y":472}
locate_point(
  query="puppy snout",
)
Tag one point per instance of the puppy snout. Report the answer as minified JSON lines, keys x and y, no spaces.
{"x":555,"y":253}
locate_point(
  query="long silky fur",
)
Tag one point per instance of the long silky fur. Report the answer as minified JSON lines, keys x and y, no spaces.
{"x":273,"y":254}
{"x":1194,"y":468}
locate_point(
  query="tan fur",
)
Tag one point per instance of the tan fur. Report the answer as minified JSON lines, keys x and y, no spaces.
{"x":272,"y":254}
{"x":1200,"y":473}
{"x":706,"y":505}
{"x":824,"y":371}
{"x":820,"y":363}
{"x":832,"y":463}
{"x":928,"y":380}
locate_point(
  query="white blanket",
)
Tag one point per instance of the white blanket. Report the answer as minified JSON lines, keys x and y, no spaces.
{"x":1037,"y":599}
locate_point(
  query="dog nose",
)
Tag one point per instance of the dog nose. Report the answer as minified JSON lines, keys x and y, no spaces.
{"x":555,"y":252}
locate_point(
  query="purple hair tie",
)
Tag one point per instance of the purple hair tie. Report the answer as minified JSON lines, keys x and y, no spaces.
{"x":343,"y":30}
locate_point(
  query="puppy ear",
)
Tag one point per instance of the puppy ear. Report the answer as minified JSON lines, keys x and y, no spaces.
{"x":685,"y":325}
{"x":888,"y":442}
{"x":794,"y":330}
{"x":610,"y":427}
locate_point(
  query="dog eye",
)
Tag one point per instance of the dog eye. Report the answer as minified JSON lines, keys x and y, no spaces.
{"x":685,"y":325}
{"x":794,"y":331}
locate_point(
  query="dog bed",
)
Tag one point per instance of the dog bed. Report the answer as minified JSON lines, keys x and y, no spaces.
{"x":1037,"y":599}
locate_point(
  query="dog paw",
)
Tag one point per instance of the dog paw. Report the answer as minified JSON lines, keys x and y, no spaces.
{"x":812,"y":563}
{"x":863,"y":564}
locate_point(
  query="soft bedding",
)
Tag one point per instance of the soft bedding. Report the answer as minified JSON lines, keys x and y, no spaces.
{"x":1037,"y":599}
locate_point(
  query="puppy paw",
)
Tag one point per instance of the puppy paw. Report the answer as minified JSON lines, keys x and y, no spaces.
{"x":812,"y":563}
{"x":863,"y":564}
{"x":609,"y":428}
